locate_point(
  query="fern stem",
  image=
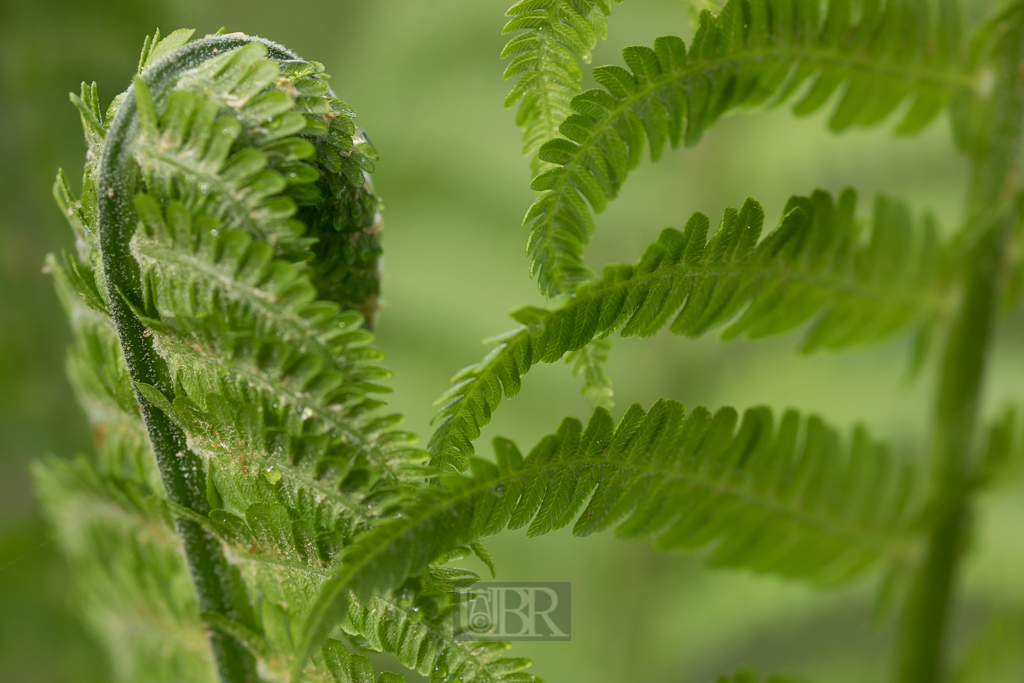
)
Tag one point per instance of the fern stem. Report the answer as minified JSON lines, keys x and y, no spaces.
{"x":217,"y":585}
{"x":996,"y":156}
{"x":928,"y":606}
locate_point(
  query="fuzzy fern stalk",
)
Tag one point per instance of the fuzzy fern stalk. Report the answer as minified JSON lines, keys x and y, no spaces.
{"x":253,"y":513}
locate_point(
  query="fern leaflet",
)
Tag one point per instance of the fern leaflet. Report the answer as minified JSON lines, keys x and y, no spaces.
{"x":814,"y":265}
{"x":789,"y":500}
{"x":555,"y":34}
{"x":755,"y":50}
{"x":589,"y":361}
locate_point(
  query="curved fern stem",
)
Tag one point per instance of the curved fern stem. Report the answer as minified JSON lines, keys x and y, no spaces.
{"x":996,"y":155}
{"x":217,"y":586}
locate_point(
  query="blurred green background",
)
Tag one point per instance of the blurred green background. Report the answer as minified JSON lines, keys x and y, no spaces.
{"x":425,"y":78}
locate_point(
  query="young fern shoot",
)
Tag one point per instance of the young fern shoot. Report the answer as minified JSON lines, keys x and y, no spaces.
{"x":254,"y":505}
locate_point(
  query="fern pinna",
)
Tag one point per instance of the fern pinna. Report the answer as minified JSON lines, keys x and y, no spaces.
{"x":254,"y":512}
{"x":752,"y":53}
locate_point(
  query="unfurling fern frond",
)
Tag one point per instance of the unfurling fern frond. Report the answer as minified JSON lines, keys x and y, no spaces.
{"x":815,"y":265}
{"x":228,"y":242}
{"x":753,"y":52}
{"x":288,"y":131}
{"x":555,"y":34}
{"x":789,"y":500}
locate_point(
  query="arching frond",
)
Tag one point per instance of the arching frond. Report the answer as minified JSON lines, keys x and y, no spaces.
{"x":815,"y":265}
{"x":554,"y":34}
{"x":790,"y":499}
{"x":755,"y":50}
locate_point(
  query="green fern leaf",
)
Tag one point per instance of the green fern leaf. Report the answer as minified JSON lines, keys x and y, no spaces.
{"x":789,"y":500}
{"x":754,"y":51}
{"x":555,"y":34}
{"x":815,"y":265}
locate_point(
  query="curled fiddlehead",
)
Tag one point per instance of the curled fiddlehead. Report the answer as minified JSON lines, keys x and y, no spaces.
{"x":118,"y":180}
{"x":226,"y":278}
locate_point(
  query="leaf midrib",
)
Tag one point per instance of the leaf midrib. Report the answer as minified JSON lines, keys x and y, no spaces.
{"x":305,"y":333}
{"x":890,"y":546}
{"x":256,"y":376}
{"x":224,"y":189}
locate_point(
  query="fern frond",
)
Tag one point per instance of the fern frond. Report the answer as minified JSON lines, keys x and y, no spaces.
{"x":555,"y":34}
{"x":816,"y":264}
{"x":755,"y":50}
{"x":191,"y":153}
{"x":232,"y":322}
{"x":425,"y":644}
{"x":260,"y":370}
{"x":790,"y":500}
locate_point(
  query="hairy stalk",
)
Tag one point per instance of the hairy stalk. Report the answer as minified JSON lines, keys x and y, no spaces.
{"x":996,"y":155}
{"x":218,"y":587}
